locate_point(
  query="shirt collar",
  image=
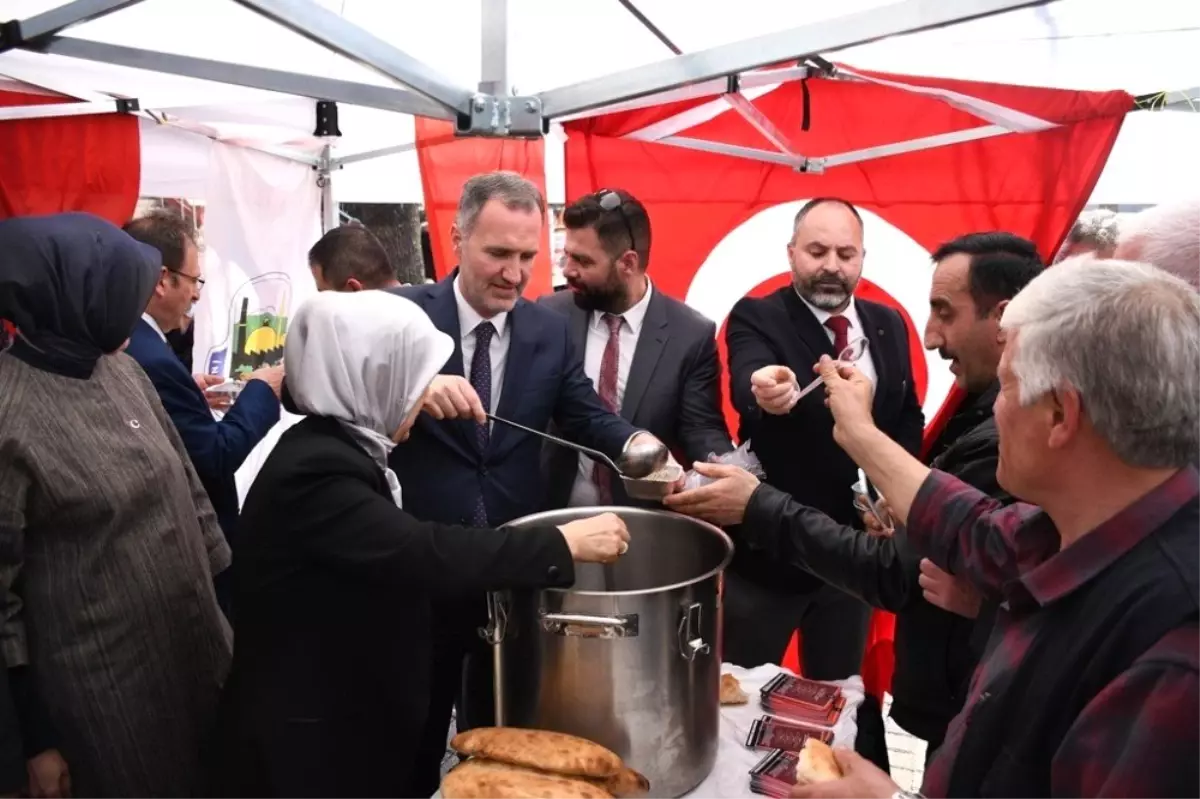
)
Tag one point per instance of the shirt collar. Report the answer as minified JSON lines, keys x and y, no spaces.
{"x":822,"y":315}
{"x":1073,"y":567}
{"x":148,"y":319}
{"x":634,"y":317}
{"x":469,"y":318}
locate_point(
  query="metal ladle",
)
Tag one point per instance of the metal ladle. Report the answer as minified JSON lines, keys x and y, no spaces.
{"x":638,"y":461}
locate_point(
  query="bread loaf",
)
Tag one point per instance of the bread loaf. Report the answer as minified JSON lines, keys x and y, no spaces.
{"x":485,"y":779}
{"x":539,"y":749}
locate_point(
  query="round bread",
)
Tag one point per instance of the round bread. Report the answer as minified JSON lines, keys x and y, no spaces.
{"x":484,"y":779}
{"x":817,"y":763}
{"x":539,"y":749}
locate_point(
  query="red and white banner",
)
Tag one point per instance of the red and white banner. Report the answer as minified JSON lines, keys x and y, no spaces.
{"x":925,"y":160}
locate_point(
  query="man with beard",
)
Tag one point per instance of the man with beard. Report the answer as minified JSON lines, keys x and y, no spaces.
{"x":941,"y":621}
{"x":651,"y":358}
{"x":771,"y":341}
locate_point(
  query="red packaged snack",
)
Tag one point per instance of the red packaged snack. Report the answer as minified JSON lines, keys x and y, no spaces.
{"x":794,"y":712}
{"x":769,"y":733}
{"x":808,"y":694}
{"x":775,"y":774}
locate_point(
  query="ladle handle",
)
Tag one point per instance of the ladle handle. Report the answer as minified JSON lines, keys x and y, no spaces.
{"x":595,"y":455}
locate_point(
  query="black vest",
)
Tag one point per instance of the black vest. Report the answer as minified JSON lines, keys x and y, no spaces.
{"x":1088,"y":639}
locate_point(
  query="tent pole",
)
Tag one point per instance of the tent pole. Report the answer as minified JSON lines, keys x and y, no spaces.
{"x":493,"y":42}
{"x":335,"y":32}
{"x":825,"y":36}
{"x":272,"y":80}
{"x":329,"y":209}
{"x":17,"y":32}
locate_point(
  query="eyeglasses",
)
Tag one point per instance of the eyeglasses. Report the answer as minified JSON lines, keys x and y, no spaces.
{"x":611,"y":201}
{"x":199,"y":281}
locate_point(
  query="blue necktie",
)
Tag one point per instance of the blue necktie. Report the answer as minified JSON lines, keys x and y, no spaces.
{"x":481,"y":381}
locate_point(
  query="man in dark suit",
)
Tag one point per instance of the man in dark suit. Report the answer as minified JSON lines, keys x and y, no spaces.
{"x":512,"y":358}
{"x":651,"y":358}
{"x":217,"y":448}
{"x":779,"y":338}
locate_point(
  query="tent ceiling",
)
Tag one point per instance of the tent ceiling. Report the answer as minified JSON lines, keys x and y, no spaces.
{"x":1143,"y":47}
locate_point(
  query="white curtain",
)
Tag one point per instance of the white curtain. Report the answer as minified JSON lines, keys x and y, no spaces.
{"x":262,"y":215}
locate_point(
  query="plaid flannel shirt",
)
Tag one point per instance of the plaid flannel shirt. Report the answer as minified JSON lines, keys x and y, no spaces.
{"x":1139,"y":732}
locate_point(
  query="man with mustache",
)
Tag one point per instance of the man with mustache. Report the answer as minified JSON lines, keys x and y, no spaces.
{"x":651,"y":358}
{"x":941,"y":621}
{"x":771,"y":340}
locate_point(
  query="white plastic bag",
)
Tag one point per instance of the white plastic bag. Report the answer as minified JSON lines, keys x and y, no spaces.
{"x":742,"y":456}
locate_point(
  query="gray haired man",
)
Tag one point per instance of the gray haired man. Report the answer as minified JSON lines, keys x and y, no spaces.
{"x":1092,"y":671}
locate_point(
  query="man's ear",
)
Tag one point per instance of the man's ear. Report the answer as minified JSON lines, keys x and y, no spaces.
{"x":456,"y":239}
{"x":163,"y":284}
{"x":1066,"y":416}
{"x":997,"y":313}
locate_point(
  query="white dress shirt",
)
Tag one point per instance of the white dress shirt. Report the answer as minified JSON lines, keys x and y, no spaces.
{"x":865,"y":364}
{"x":583,"y":492}
{"x":468,"y":320}
{"x":148,"y":319}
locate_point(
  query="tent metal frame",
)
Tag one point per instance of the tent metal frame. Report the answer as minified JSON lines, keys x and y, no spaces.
{"x":492,"y":109}
{"x":489,"y":110}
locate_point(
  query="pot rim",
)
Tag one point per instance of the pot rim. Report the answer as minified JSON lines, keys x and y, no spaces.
{"x":541,"y":517}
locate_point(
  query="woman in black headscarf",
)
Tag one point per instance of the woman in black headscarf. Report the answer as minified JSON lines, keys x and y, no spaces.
{"x":108,"y":542}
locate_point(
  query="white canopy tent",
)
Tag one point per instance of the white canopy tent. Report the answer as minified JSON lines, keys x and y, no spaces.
{"x":454,"y":47}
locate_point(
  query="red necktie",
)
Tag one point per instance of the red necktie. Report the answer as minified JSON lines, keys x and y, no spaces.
{"x":607,"y":389}
{"x":840,"y":326}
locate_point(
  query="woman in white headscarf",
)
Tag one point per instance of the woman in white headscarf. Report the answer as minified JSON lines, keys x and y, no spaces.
{"x":328,"y":691}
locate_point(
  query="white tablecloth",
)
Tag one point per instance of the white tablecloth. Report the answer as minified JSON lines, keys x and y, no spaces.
{"x":730,"y":777}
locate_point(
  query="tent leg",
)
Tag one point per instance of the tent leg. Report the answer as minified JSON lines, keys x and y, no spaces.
{"x":493,"y":40}
{"x":329,"y":209}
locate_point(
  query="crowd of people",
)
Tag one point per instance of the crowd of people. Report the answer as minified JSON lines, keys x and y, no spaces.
{"x":1039,"y":551}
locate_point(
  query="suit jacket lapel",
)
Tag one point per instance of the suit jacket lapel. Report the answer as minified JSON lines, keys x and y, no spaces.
{"x":443,"y":311}
{"x":879,"y":348}
{"x":523,"y":336}
{"x":651,"y":342}
{"x":810,"y":331}
{"x":580,"y":319}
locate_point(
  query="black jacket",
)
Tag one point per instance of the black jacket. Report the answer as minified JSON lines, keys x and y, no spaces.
{"x":936,"y":651}
{"x":330,"y":679}
{"x":797,"y":451}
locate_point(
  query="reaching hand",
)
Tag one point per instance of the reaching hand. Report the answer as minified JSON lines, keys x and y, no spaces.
{"x":218,"y":402}
{"x":773,"y":388}
{"x":49,"y":777}
{"x":948,"y":592}
{"x":272,"y":376}
{"x":453,"y":397}
{"x":848,"y":395}
{"x":861,"y":779}
{"x":598,"y":539}
{"x":871,"y":524}
{"x":722,"y":502}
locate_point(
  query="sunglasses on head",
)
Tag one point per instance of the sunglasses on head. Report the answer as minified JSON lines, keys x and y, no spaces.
{"x":609,"y":200}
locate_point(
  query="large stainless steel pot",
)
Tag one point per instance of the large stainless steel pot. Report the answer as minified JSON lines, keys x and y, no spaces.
{"x":630,"y":656}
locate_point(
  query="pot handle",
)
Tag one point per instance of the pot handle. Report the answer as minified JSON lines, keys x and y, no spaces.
{"x":690,"y":642}
{"x":578,"y":625}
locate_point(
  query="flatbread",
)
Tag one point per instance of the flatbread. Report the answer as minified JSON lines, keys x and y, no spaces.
{"x":539,"y":749}
{"x":817,"y":763}
{"x":625,"y":784}
{"x":731,"y":691}
{"x":485,"y":779}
